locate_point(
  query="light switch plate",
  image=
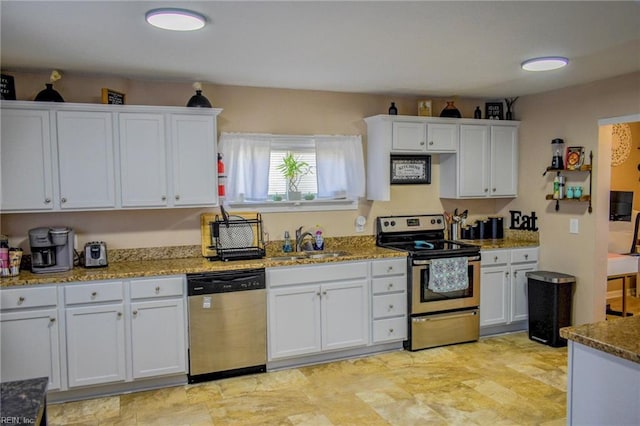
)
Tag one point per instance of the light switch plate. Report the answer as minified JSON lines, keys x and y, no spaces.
{"x":573,"y":226}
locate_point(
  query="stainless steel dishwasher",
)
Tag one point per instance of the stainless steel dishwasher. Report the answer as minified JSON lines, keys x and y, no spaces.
{"x":227,"y":324}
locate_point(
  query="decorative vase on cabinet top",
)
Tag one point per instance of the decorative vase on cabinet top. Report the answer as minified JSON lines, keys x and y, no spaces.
{"x":450,"y":111}
{"x":199,"y":100}
{"x":49,"y":95}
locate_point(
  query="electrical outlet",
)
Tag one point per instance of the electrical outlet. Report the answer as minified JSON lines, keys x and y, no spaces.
{"x":573,"y":226}
{"x":360,"y":222}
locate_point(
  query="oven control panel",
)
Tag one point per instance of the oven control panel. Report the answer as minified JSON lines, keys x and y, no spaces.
{"x":430,"y":222}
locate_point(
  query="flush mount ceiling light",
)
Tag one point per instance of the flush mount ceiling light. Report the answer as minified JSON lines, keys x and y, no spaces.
{"x":546,"y":63}
{"x":175,"y":19}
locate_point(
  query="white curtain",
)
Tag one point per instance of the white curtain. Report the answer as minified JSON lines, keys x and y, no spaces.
{"x":246,"y":159}
{"x":340,"y":165}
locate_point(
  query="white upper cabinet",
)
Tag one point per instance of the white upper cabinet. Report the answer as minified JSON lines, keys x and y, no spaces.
{"x":143,"y":160}
{"x":85,"y":160}
{"x":65,"y":156}
{"x":26,"y":165}
{"x":486,"y":165}
{"x":194,"y":154}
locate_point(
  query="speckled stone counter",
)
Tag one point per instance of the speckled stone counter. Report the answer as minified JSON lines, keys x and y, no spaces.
{"x":155,"y":261}
{"x":619,"y":337}
{"x":512,"y":239}
{"x":24,"y":401}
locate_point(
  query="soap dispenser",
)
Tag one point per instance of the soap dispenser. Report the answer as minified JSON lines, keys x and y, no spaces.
{"x":286,"y":247}
{"x":319,"y":243}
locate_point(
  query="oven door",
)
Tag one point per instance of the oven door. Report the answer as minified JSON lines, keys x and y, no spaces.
{"x":424,"y":300}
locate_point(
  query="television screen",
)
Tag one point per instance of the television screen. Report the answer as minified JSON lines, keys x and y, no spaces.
{"x":620,"y":205}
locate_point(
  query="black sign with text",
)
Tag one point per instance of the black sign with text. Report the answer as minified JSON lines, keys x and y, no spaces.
{"x":522,"y":221}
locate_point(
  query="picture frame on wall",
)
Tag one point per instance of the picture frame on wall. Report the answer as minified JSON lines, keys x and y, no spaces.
{"x":112,"y":97}
{"x":424,"y":108}
{"x":494,"y":111}
{"x":574,"y":158}
{"x":7,"y":87}
{"x":410,"y":169}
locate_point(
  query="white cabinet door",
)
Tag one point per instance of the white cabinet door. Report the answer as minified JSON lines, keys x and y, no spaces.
{"x":194,"y":158}
{"x":473,"y":164}
{"x":504,"y":161}
{"x":86,"y":160}
{"x":294,"y":321}
{"x":345,"y":315}
{"x":30,"y":346}
{"x":143,"y":160}
{"x":158,"y":338}
{"x":519,"y":296}
{"x":442,"y":137}
{"x":95,"y":344}
{"x":409,"y":136}
{"x":494,"y":295}
{"x":26,"y":160}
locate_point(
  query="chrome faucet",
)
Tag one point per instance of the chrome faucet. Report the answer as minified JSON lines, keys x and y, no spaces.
{"x":300,"y":236}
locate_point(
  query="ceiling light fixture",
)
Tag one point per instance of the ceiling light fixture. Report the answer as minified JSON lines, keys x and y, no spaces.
{"x":175,"y":19}
{"x":546,"y":63}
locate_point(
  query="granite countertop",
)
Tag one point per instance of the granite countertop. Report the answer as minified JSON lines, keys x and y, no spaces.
{"x":23,"y":401}
{"x":153,"y":262}
{"x":512,"y":239}
{"x":619,"y":337}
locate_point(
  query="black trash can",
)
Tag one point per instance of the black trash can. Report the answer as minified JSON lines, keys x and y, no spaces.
{"x":549,"y":296}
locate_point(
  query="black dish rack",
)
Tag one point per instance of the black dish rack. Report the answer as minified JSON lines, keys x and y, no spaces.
{"x":237,"y":238}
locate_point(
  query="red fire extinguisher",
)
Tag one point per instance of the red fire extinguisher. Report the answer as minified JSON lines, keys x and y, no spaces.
{"x":221,"y":178}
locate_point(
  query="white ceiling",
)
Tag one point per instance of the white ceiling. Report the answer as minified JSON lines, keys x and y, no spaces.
{"x":446,"y":48}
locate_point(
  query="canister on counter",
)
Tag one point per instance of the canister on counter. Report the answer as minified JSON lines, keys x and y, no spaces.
{"x":496,"y":227}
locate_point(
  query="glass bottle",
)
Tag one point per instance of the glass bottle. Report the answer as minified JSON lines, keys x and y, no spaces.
{"x":392,"y":109}
{"x":477,"y":113}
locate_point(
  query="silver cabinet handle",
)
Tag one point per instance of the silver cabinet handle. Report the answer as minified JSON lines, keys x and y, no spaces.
{"x":507,"y":273}
{"x":157,"y":289}
{"x":52,"y":320}
{"x":391,"y":307}
{"x":135,"y":312}
{"x":526,"y":257}
{"x":390,"y":286}
{"x":63,"y":200}
{"x":177,"y":197}
{"x":495,"y":259}
{"x":318,"y":294}
{"x":324,"y":293}
{"x":486,"y":190}
{"x":421,"y":143}
{"x":494,"y":190}
{"x":47,"y":200}
{"x":515,"y":273}
{"x":164,"y":198}
{"x":390,"y":268}
{"x":119,"y":314}
{"x":21,"y":299}
{"x":430,"y":142}
{"x":94,"y":294}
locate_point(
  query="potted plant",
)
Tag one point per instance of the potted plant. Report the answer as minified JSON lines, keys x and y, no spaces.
{"x":293,"y":169}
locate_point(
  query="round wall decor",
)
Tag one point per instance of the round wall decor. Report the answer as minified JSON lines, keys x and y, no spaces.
{"x":620,"y":143}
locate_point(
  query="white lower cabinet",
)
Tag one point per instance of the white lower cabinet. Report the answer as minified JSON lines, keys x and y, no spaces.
{"x":158,"y":337}
{"x":95,"y":344}
{"x":95,"y":333}
{"x":317,"y":308}
{"x":503,"y":289}
{"x":29,"y":334}
{"x":389,"y":300}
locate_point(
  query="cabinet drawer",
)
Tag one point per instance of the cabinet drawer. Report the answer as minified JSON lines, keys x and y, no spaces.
{"x":389,"y":329}
{"x":29,"y":297}
{"x":157,"y":287}
{"x":93,"y":293}
{"x":381,"y":268}
{"x":389,"y":285}
{"x":494,"y":257}
{"x":338,"y":271}
{"x":524,"y":255}
{"x":389,"y":305}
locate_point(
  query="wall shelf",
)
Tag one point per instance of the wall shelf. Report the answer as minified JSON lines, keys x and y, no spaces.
{"x":585,"y":198}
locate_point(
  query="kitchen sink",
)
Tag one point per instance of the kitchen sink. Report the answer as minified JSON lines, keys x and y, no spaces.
{"x":311,"y":255}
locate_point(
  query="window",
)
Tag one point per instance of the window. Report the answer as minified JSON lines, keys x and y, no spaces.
{"x":333,"y":170}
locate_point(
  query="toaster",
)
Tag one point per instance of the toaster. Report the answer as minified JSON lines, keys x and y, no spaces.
{"x":95,"y":254}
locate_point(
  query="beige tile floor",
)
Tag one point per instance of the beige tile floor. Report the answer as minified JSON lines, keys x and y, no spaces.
{"x":502,"y":380}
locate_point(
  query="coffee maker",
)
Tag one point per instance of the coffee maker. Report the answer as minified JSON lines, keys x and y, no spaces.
{"x":51,"y":249}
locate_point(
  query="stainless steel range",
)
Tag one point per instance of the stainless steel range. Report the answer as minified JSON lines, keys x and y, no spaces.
{"x":443,"y":278}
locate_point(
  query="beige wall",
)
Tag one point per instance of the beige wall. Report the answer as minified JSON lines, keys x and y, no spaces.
{"x":626,"y":176}
{"x":245,"y":109}
{"x":571,"y":114}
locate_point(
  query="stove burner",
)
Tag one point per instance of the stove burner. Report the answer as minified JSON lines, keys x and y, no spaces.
{"x":423,"y":245}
